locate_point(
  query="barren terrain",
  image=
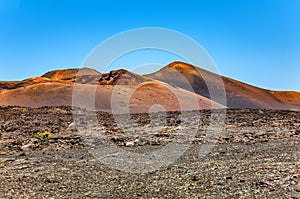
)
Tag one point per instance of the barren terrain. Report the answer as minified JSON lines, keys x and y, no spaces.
{"x":256,"y":155}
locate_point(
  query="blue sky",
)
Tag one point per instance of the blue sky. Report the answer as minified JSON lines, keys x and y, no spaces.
{"x":255,"y":41}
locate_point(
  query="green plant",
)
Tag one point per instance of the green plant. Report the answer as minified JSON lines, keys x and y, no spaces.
{"x":24,"y":110}
{"x":43,"y":134}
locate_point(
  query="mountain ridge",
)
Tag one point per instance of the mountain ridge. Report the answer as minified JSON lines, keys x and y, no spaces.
{"x":177,"y":76}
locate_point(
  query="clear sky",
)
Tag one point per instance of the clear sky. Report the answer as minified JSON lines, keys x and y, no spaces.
{"x":255,"y":41}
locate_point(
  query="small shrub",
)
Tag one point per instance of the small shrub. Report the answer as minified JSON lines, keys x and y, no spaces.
{"x":43,"y":134}
{"x":24,"y":110}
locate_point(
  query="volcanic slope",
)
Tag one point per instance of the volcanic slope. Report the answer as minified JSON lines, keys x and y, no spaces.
{"x":120,"y":91}
{"x":224,"y":90}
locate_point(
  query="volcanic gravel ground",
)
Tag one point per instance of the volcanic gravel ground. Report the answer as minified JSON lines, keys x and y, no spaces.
{"x":255,"y":154}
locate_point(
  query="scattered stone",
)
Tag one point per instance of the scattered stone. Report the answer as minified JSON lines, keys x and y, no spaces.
{"x":26,"y":147}
{"x":194,"y":178}
{"x":129,"y":144}
{"x":139,"y":141}
{"x":154,"y":142}
{"x":72,"y":127}
{"x":275,"y":124}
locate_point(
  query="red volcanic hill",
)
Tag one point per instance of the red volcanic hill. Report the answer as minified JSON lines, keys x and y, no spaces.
{"x":120,"y":90}
{"x":178,"y":86}
{"x":122,"y":77}
{"x":70,"y":74}
{"x":79,"y":75}
{"x":238,"y":94}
